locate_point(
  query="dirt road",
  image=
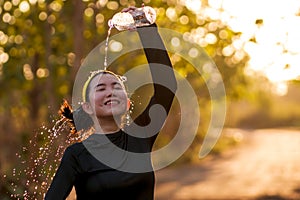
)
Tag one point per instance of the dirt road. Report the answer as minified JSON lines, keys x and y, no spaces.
{"x":266,"y":165}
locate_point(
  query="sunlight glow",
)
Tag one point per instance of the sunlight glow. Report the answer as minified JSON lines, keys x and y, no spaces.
{"x":193,"y":5}
{"x":101,"y":3}
{"x":7,"y":6}
{"x":171,"y":14}
{"x":55,"y":6}
{"x":24,"y":6}
{"x":276,"y":52}
{"x":42,"y":73}
{"x":184,"y":19}
{"x":3,"y":38}
{"x":193,"y":52}
{"x":210,"y":38}
{"x":15,"y":2}
{"x":175,"y":42}
{"x":112,"y":5}
{"x":99,"y":18}
{"x":27,"y":72}
{"x":3,"y":57}
{"x":43,"y":16}
{"x":115,"y":46}
{"x":89,"y":12}
{"x":272,"y":42}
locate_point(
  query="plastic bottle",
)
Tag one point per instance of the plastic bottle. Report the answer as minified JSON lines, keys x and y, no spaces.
{"x":139,"y":17}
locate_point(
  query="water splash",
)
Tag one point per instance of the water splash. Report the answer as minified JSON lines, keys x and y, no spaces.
{"x":38,"y":162}
{"x":106,"y":44}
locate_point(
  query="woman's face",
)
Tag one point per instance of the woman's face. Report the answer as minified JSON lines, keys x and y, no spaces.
{"x":108,"y":97}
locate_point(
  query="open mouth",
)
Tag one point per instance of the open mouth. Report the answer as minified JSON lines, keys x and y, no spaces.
{"x":112,"y":102}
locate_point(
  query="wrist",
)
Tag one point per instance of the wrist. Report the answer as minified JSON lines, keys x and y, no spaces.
{"x":151,"y":25}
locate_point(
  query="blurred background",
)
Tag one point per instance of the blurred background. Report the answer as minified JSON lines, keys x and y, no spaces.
{"x":254,"y":44}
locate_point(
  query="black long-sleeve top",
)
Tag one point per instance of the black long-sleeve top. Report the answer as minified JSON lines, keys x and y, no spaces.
{"x":118,"y":165}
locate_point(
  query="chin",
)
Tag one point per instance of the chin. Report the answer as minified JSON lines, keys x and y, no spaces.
{"x":116,"y":113}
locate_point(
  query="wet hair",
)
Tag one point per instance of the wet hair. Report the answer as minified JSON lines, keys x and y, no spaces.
{"x":78,"y":120}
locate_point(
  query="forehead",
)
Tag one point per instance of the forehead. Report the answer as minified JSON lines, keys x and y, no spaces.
{"x":105,"y":79}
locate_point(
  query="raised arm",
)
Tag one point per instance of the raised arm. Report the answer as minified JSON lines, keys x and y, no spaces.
{"x":164,"y":83}
{"x":160,"y":65}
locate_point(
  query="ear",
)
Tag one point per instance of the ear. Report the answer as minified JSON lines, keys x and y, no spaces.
{"x":87,"y":108}
{"x":128,"y":104}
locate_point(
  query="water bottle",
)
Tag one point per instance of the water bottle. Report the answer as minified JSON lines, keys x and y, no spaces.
{"x":132,"y":19}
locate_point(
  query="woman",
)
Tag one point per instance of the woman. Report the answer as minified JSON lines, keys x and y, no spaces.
{"x":102,"y":166}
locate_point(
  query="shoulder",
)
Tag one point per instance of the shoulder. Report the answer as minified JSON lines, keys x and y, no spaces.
{"x":74,"y":149}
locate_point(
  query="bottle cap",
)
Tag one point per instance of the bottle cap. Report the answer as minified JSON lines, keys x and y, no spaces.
{"x":150,"y":14}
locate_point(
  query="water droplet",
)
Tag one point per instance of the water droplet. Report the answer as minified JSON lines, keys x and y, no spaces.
{"x":106,"y":46}
{"x":40,"y":152}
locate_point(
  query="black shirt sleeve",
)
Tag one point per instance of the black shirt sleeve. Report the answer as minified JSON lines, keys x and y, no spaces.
{"x":164,"y":82}
{"x":160,"y":66}
{"x":64,"y":178}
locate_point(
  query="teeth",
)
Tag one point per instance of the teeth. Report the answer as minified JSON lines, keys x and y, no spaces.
{"x":111,"y":102}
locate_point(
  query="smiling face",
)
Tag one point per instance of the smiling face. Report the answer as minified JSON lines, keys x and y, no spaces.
{"x":107,"y":97}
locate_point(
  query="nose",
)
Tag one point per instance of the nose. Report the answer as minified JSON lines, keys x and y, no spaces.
{"x":110,"y":92}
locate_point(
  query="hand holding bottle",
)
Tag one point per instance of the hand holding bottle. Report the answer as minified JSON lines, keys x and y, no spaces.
{"x":130,"y":18}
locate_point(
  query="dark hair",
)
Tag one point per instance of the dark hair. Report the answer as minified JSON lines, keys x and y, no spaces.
{"x":78,"y":120}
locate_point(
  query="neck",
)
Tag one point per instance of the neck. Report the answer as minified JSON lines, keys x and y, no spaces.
{"x":106,"y":126}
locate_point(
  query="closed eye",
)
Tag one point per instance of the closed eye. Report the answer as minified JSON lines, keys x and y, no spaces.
{"x":117,"y":86}
{"x":100,"y":89}
{"x":102,"y":86}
